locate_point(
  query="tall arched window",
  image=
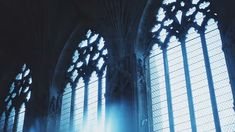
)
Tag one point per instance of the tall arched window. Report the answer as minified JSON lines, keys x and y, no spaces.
{"x":83,"y":102}
{"x":12,"y":118}
{"x":190,"y":88}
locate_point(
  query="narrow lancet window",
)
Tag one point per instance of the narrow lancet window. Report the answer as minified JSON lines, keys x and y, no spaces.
{"x":83,"y":102}
{"x":189,"y":80}
{"x":12,"y":117}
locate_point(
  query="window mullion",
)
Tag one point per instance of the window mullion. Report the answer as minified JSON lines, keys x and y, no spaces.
{"x":188,"y":87}
{"x":99,"y":107}
{"x":85,"y":109}
{"x":72,"y":108}
{"x":210,"y":82}
{"x":168,"y":90}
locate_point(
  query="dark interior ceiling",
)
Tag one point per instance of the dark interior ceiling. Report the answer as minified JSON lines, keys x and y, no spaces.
{"x":35,"y":31}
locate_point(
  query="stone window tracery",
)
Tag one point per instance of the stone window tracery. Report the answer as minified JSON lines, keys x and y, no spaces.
{"x":83,"y":102}
{"x":12,"y":116}
{"x":190,"y":88}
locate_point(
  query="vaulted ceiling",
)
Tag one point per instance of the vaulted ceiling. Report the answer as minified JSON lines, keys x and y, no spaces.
{"x":35,"y":31}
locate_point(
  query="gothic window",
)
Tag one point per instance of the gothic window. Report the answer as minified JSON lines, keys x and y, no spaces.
{"x":12,"y":117}
{"x":83,"y":102}
{"x":190,"y":88}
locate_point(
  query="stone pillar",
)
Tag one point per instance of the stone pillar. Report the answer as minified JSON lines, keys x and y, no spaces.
{"x":228,"y":37}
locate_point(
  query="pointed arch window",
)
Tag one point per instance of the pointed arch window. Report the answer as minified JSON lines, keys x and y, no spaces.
{"x":83,"y":102}
{"x":12,"y":117}
{"x":190,"y":88}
